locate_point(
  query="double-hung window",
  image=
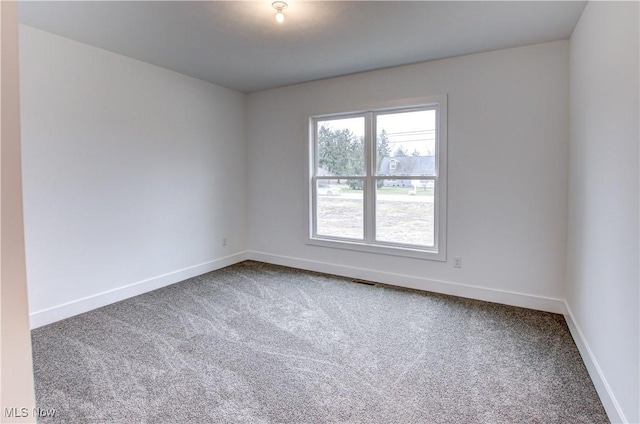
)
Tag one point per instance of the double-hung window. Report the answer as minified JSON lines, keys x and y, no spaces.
{"x":377,"y":180}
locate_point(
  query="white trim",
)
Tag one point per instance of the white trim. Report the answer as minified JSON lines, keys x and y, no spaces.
{"x":611,"y":405}
{"x":406,"y":251}
{"x":523,"y":300}
{"x":79,"y":306}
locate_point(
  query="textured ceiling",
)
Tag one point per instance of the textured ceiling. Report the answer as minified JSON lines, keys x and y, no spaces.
{"x":238,"y":44}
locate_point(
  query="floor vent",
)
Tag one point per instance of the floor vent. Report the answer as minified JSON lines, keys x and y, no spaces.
{"x":366,"y":283}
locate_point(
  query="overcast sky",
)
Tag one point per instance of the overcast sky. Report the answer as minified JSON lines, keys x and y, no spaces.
{"x":412,"y":130}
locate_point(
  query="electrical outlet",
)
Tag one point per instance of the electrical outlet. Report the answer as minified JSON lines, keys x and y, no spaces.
{"x":457,"y":262}
{"x":224,"y":241}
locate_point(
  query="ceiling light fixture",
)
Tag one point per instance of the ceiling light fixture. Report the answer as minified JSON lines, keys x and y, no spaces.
{"x":279,"y":6}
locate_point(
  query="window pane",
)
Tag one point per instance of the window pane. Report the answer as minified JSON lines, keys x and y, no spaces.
{"x":405,"y":212}
{"x":340,"y":147}
{"x":406,"y":143}
{"x":340,"y":208}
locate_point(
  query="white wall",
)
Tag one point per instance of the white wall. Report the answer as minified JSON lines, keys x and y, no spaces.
{"x":602,"y":270}
{"x":508,"y":153}
{"x":133,"y":174}
{"x":16,"y":371}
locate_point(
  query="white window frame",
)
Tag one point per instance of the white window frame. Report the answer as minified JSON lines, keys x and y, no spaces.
{"x":369,"y":245}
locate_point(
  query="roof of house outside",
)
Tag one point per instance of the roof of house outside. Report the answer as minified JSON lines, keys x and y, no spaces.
{"x":408,"y":165}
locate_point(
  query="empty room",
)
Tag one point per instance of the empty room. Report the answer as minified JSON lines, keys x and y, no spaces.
{"x":320,"y":212}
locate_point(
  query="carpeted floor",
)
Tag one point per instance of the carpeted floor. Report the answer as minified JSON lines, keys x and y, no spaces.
{"x":257,"y":343}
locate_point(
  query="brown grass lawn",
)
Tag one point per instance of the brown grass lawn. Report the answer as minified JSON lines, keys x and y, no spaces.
{"x":400,"y":221}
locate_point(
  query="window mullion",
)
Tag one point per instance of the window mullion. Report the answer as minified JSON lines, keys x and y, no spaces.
{"x":369,"y":185}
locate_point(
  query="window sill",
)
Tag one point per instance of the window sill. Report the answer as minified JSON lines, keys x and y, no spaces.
{"x":380,"y":249}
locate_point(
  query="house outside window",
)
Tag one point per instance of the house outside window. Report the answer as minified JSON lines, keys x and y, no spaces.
{"x":377,"y":180}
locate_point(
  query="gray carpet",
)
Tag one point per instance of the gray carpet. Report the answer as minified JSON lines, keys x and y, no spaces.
{"x":257,"y":343}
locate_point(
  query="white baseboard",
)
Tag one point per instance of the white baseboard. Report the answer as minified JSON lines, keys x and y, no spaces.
{"x":66,"y":310}
{"x":444,"y":287}
{"x":607,"y":397}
